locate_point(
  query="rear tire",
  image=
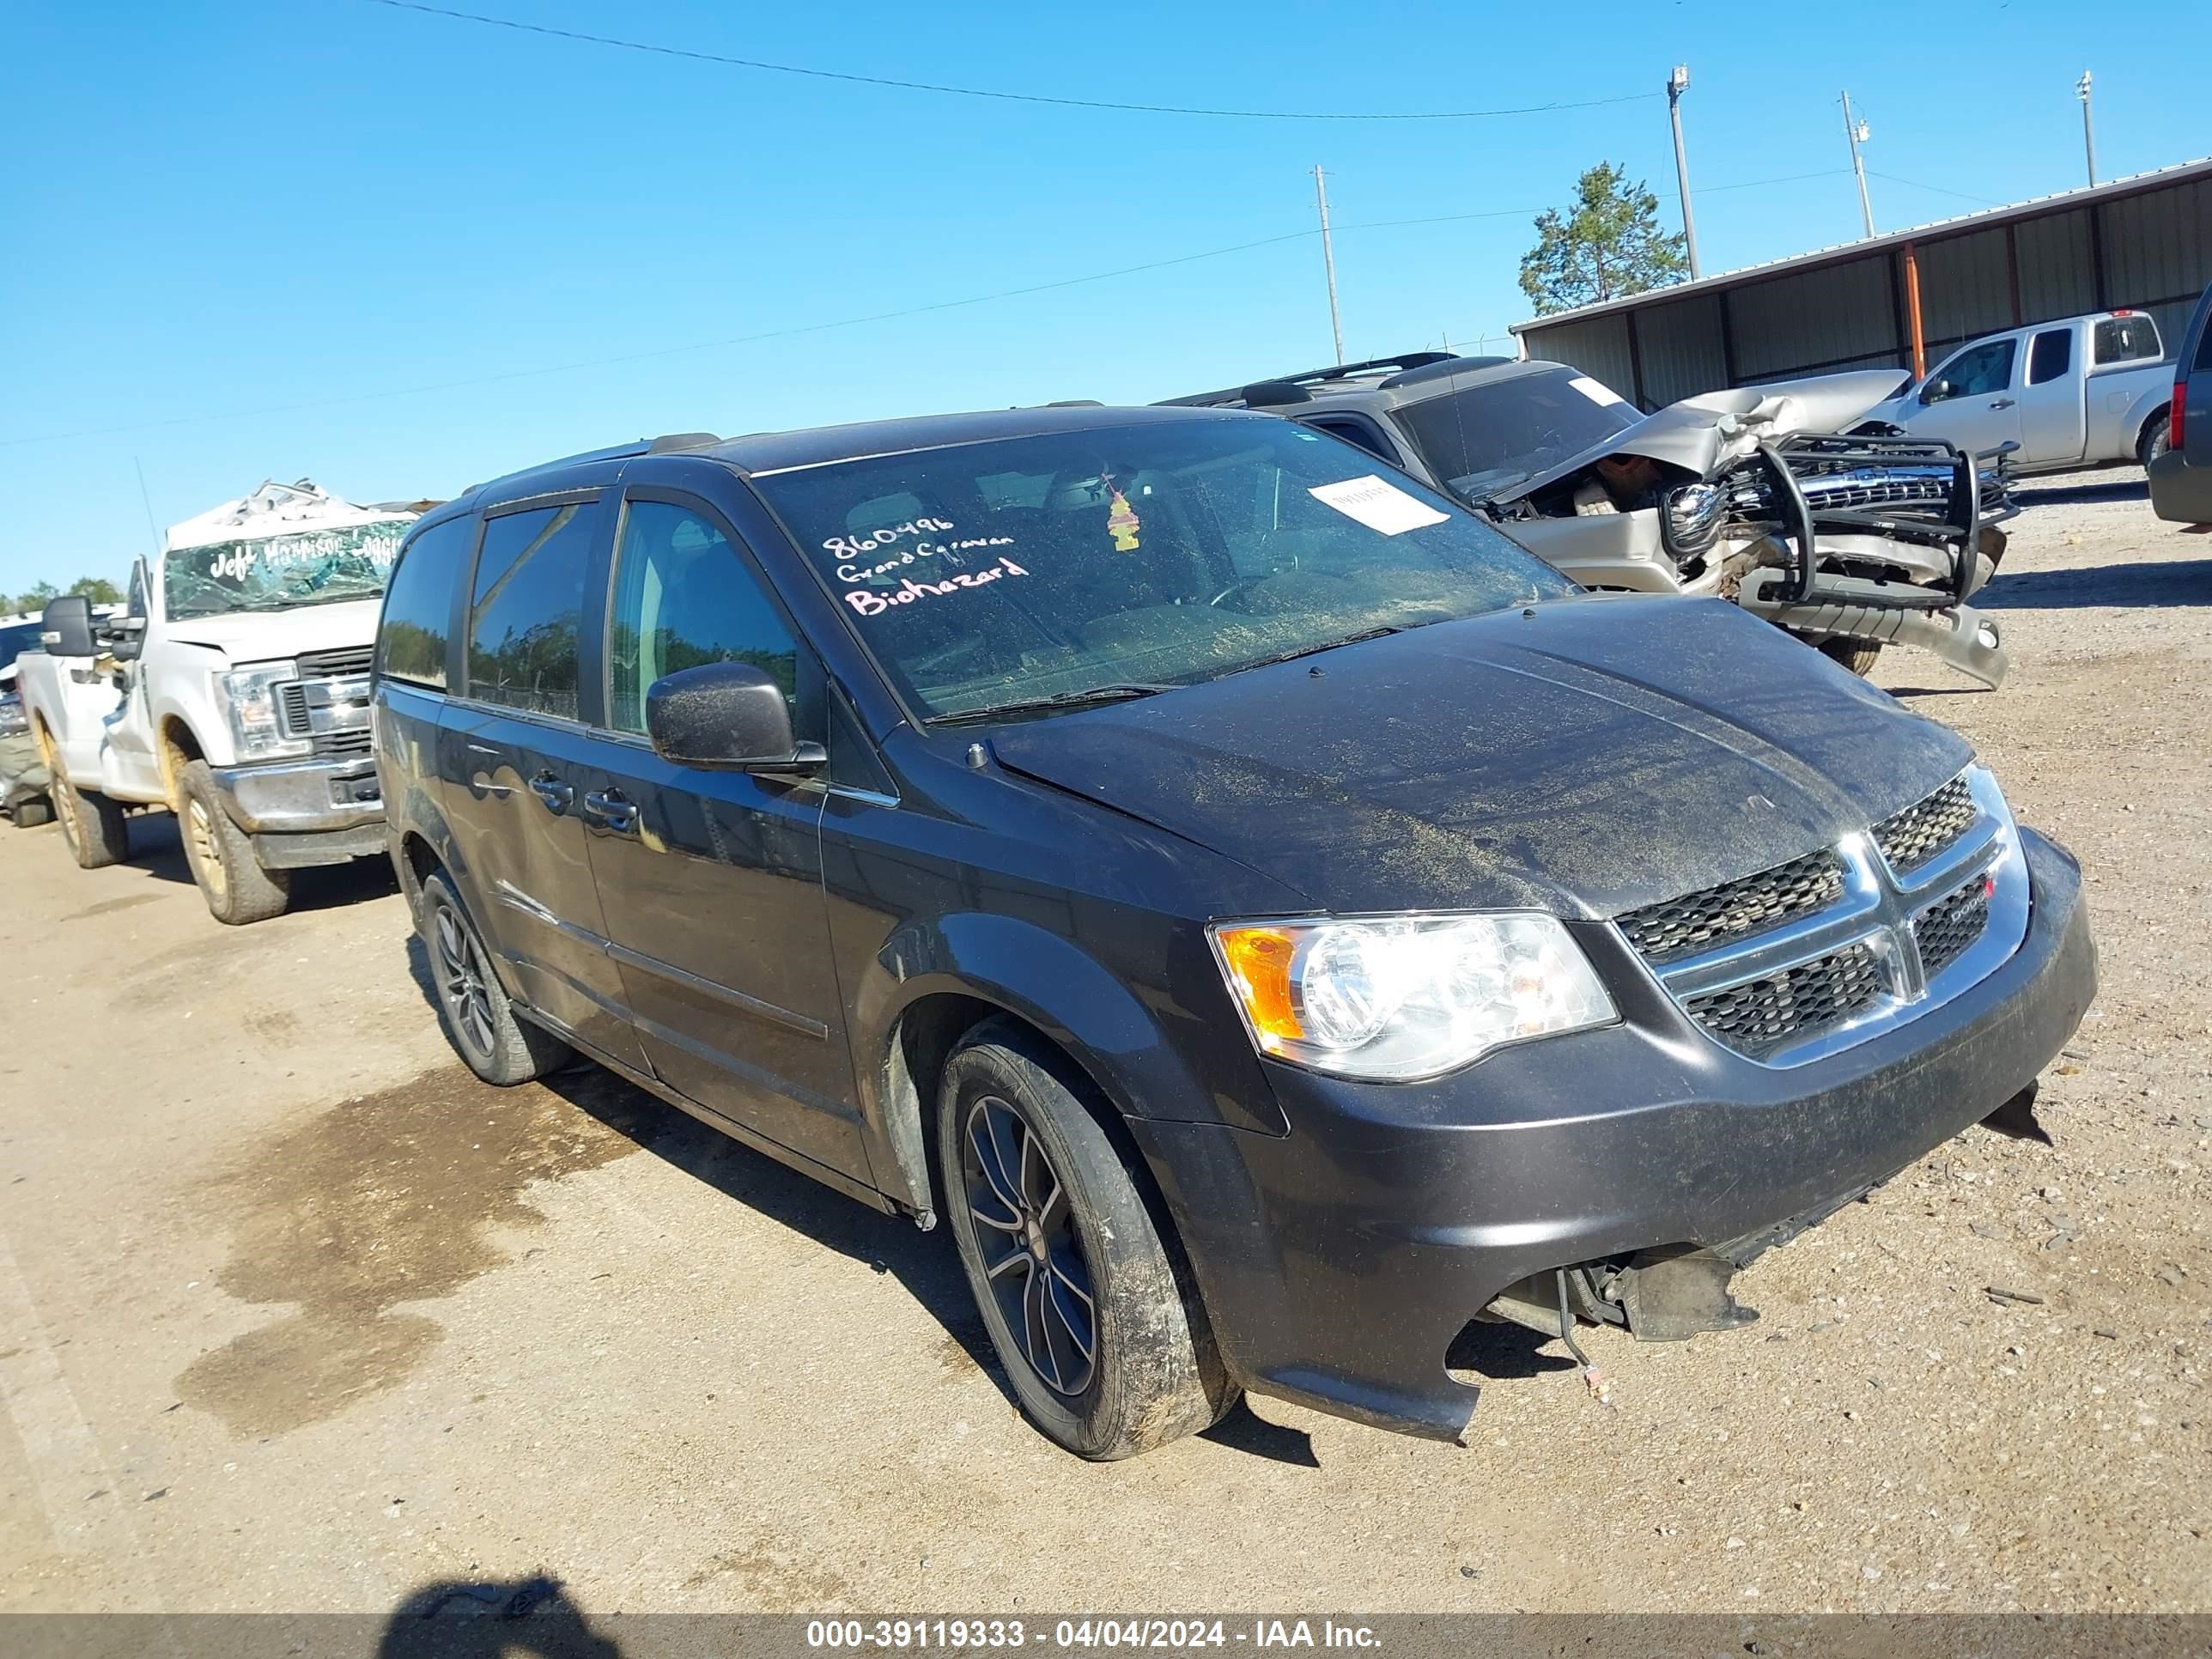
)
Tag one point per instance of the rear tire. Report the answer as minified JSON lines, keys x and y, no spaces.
{"x":1073,"y":1281}
{"x":494,"y":1042}
{"x":1857,"y":655}
{"x":238,"y":891}
{"x":93,"y":828}
{"x":2157,"y":438}
{"x":33,"y":813}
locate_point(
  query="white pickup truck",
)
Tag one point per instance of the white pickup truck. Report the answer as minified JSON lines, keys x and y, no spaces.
{"x":2085,"y":391}
{"x":232,"y":691}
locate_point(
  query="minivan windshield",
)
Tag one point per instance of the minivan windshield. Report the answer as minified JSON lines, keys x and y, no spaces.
{"x":1121,"y":560}
{"x":274,"y":573}
{"x":1483,"y":441}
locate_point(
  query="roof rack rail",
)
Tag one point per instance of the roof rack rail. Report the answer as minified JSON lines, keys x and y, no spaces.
{"x":667,"y":443}
{"x":1280,"y":388}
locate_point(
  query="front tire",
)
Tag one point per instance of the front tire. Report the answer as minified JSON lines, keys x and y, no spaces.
{"x":93,"y":828}
{"x":1859,"y":656}
{"x":238,"y":891}
{"x":1074,"y":1282}
{"x":2157,"y":438}
{"x":492,"y":1039}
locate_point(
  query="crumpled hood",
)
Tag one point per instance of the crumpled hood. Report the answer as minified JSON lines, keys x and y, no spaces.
{"x":257,"y":636}
{"x":1697,"y":433}
{"x":1595,"y":755}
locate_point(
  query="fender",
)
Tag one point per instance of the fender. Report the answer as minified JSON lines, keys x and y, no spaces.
{"x":1050,"y":982}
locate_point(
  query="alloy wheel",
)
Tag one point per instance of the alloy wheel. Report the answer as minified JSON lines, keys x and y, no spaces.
{"x":461,"y":982}
{"x":206,"y":855}
{"x":64,"y":794}
{"x":1025,"y":1235}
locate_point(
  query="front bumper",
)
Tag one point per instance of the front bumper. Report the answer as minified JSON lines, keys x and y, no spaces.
{"x":1338,"y":1263}
{"x":302,"y":798}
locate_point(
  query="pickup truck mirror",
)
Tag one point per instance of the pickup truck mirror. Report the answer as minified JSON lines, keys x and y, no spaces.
{"x":1937,"y":391}
{"x":66,"y":627}
{"x":726,"y":714}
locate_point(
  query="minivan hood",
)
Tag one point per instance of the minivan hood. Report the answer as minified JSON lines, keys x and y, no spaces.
{"x":1585,"y":756}
{"x":255,"y":636}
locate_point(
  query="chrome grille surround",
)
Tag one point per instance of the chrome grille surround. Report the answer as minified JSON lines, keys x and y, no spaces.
{"x":1896,"y":942}
{"x":327,"y":707}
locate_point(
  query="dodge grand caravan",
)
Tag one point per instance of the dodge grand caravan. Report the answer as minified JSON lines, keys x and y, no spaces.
{"x":1272,"y":918}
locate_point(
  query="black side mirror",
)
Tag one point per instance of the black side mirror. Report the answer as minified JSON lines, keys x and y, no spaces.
{"x":66,"y":629}
{"x":728,"y":714}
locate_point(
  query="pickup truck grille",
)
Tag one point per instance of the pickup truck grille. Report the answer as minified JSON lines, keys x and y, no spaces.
{"x":1699,"y":922}
{"x":328,"y":704}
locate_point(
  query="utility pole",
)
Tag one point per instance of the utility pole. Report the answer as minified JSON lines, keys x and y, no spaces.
{"x":1855,"y":134}
{"x":1677,"y":83}
{"x":2088,"y":127}
{"x":1328,"y":261}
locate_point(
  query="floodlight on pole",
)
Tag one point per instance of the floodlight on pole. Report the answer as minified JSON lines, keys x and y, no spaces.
{"x":1677,"y":84}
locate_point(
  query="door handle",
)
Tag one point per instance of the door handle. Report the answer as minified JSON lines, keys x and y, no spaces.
{"x":614,"y":811}
{"x":2002,"y":403}
{"x":556,"y":791}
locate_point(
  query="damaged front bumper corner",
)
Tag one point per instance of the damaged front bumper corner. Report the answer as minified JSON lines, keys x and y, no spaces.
{"x":1339,"y":1263}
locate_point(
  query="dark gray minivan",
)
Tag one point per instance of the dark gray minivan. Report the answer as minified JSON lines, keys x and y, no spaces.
{"x":1273,"y":919}
{"x":2181,"y":478}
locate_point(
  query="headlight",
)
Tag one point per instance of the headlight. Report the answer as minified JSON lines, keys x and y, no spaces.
{"x":1395,"y":998}
{"x":249,"y":697}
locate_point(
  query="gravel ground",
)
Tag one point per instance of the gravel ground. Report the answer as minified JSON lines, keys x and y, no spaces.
{"x":293,"y":1316}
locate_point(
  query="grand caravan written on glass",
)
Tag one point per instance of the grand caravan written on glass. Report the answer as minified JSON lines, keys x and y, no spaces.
{"x":1161,"y":554}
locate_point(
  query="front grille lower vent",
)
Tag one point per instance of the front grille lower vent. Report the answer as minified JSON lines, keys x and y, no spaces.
{"x":1908,"y":839}
{"x":1763,"y":1015}
{"x":1737,"y":909}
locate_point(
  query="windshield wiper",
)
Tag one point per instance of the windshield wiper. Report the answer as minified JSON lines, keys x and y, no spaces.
{"x":1326,"y":645}
{"x":1090,"y":695}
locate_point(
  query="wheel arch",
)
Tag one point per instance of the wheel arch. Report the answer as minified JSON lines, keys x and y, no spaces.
{"x":177,"y":747}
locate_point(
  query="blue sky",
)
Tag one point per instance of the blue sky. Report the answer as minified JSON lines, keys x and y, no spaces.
{"x":295,"y":216}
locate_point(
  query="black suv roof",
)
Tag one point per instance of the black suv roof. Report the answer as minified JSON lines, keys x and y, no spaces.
{"x":782,"y":451}
{"x":1410,"y":378}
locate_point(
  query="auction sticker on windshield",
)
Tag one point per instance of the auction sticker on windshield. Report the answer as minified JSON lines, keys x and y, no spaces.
{"x":1596,"y":390}
{"x":1377,"y":503}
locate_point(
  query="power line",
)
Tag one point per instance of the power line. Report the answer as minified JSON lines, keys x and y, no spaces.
{"x":803,"y":329}
{"x":1914,"y":184}
{"x":983,"y":92}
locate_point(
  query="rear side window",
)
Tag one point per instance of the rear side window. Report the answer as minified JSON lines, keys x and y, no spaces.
{"x":527,"y":609}
{"x":2204,"y":340}
{"x":418,"y":603}
{"x":2050,"y":357}
{"x":2126,"y":340}
{"x":684,"y":598}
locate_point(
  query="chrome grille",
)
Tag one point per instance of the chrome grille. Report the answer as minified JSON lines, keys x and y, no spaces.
{"x":1947,"y":928}
{"x":1811,"y":956}
{"x":1762,"y":1015}
{"x":1682,"y":927}
{"x":333,"y":664}
{"x":1908,"y":839}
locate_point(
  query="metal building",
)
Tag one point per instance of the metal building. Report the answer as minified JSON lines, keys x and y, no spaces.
{"x":2143,"y":242}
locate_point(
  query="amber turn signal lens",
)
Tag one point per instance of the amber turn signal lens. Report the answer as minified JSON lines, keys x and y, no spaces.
{"x":1259,"y":962}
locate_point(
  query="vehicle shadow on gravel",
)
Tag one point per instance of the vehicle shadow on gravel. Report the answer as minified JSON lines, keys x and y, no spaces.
{"x":2145,"y":584}
{"x":450,"y":1618}
{"x":2135,"y":487}
{"x":925,"y":1264}
{"x":157,"y":848}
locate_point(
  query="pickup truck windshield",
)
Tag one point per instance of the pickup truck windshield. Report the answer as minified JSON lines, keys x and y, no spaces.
{"x":1486,"y":439}
{"x":1125,"y":560}
{"x":16,"y":639}
{"x":312,"y":567}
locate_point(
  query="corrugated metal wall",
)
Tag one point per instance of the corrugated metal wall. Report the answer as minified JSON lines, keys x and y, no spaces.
{"x":1834,"y":317}
{"x":1679,"y":343}
{"x":2156,"y":250}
